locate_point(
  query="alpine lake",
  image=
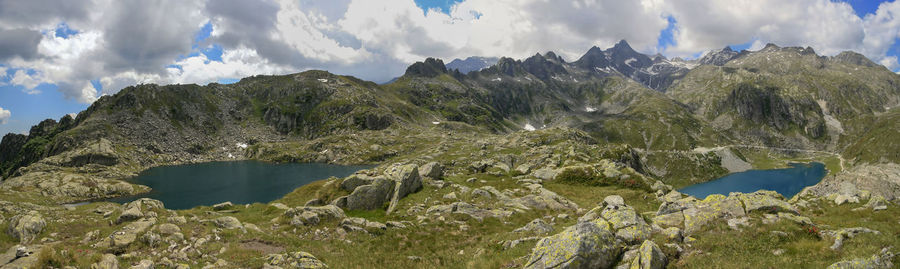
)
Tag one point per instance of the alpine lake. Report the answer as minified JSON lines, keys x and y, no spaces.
{"x":786,"y":181}
{"x":241,"y":182}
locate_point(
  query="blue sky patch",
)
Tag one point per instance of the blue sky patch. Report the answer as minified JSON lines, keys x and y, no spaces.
{"x":442,"y":5}
{"x":63,"y":31}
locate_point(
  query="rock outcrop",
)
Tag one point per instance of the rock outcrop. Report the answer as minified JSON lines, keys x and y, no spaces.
{"x":368,"y":193}
{"x":313,"y":215}
{"x":628,"y":225}
{"x":588,"y":244}
{"x":297,"y":259}
{"x":26,"y":227}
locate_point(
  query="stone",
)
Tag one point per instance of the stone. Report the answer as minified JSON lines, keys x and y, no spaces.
{"x":843,"y":199}
{"x":130,"y":214}
{"x":395,"y":224}
{"x":168,"y":229}
{"x":481,"y":193}
{"x":778,"y":252}
{"x":26,"y":227}
{"x":588,"y":244}
{"x":222,"y":206}
{"x":613,"y":200}
{"x":877,"y":202}
{"x":650,"y":257}
{"x":536,"y":226}
{"x":450,"y":196}
{"x":297,"y":259}
{"x":877,"y":261}
{"x":736,"y":224}
{"x":312,"y":215}
{"x":673,"y":234}
{"x":108,"y":261}
{"x":765,"y":200}
{"x":432,"y":170}
{"x":126,"y":235}
{"x":138,"y":209}
{"x":545,"y":173}
{"x":353,"y":181}
{"x":670,"y":220}
{"x":151,"y":239}
{"x":228,"y":222}
{"x":372,"y":196}
{"x":144,"y":264}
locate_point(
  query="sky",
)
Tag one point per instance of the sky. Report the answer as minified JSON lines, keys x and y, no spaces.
{"x":59,"y":56}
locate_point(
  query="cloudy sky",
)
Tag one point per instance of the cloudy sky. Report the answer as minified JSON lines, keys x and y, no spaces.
{"x":56,"y":57}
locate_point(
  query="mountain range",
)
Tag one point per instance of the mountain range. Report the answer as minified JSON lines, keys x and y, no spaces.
{"x":776,"y":97}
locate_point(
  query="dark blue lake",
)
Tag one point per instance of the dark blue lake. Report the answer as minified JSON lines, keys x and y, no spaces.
{"x":241,"y":182}
{"x":787,"y":181}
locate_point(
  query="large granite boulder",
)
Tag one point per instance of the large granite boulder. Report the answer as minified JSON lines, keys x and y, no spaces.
{"x":433,"y":170}
{"x":588,"y":244}
{"x":649,"y":257}
{"x":406,"y":180}
{"x":26,"y":227}
{"x":371,"y":196}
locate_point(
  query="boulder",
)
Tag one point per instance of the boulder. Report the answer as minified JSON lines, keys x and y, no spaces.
{"x":406,"y":180}
{"x":372,"y":196}
{"x":877,"y":203}
{"x":297,"y":259}
{"x":432,"y":170}
{"x":536,"y":226}
{"x":168,"y":229}
{"x":877,"y":261}
{"x":353,"y":181}
{"x":138,"y":209}
{"x":765,"y":200}
{"x":19,"y":256}
{"x":670,"y":220}
{"x":228,"y":222}
{"x":108,"y":261}
{"x":312,"y":215}
{"x":126,"y":235}
{"x":673,"y":234}
{"x":143,"y":264}
{"x":588,"y":244}
{"x":650,"y":257}
{"x":613,"y":200}
{"x":26,"y":227}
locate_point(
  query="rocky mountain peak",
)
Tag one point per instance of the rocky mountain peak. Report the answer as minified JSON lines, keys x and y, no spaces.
{"x":850,"y":57}
{"x":430,"y":68}
{"x":623,"y":46}
{"x":550,"y":55}
{"x":472,"y":63}
{"x":718,"y":57}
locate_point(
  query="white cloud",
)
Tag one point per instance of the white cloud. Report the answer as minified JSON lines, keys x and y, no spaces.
{"x":121,"y":43}
{"x":4,"y":115}
{"x":828,"y":26}
{"x":30,"y":82}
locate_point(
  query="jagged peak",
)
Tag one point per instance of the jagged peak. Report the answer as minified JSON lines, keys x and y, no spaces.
{"x":552,"y":56}
{"x":852,"y":57}
{"x":431,"y":67}
{"x":622,"y":43}
{"x":770,"y":47}
{"x":728,"y":49}
{"x":623,"y":46}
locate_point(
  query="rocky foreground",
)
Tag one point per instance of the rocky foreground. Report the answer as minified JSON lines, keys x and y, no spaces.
{"x":553,"y":205}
